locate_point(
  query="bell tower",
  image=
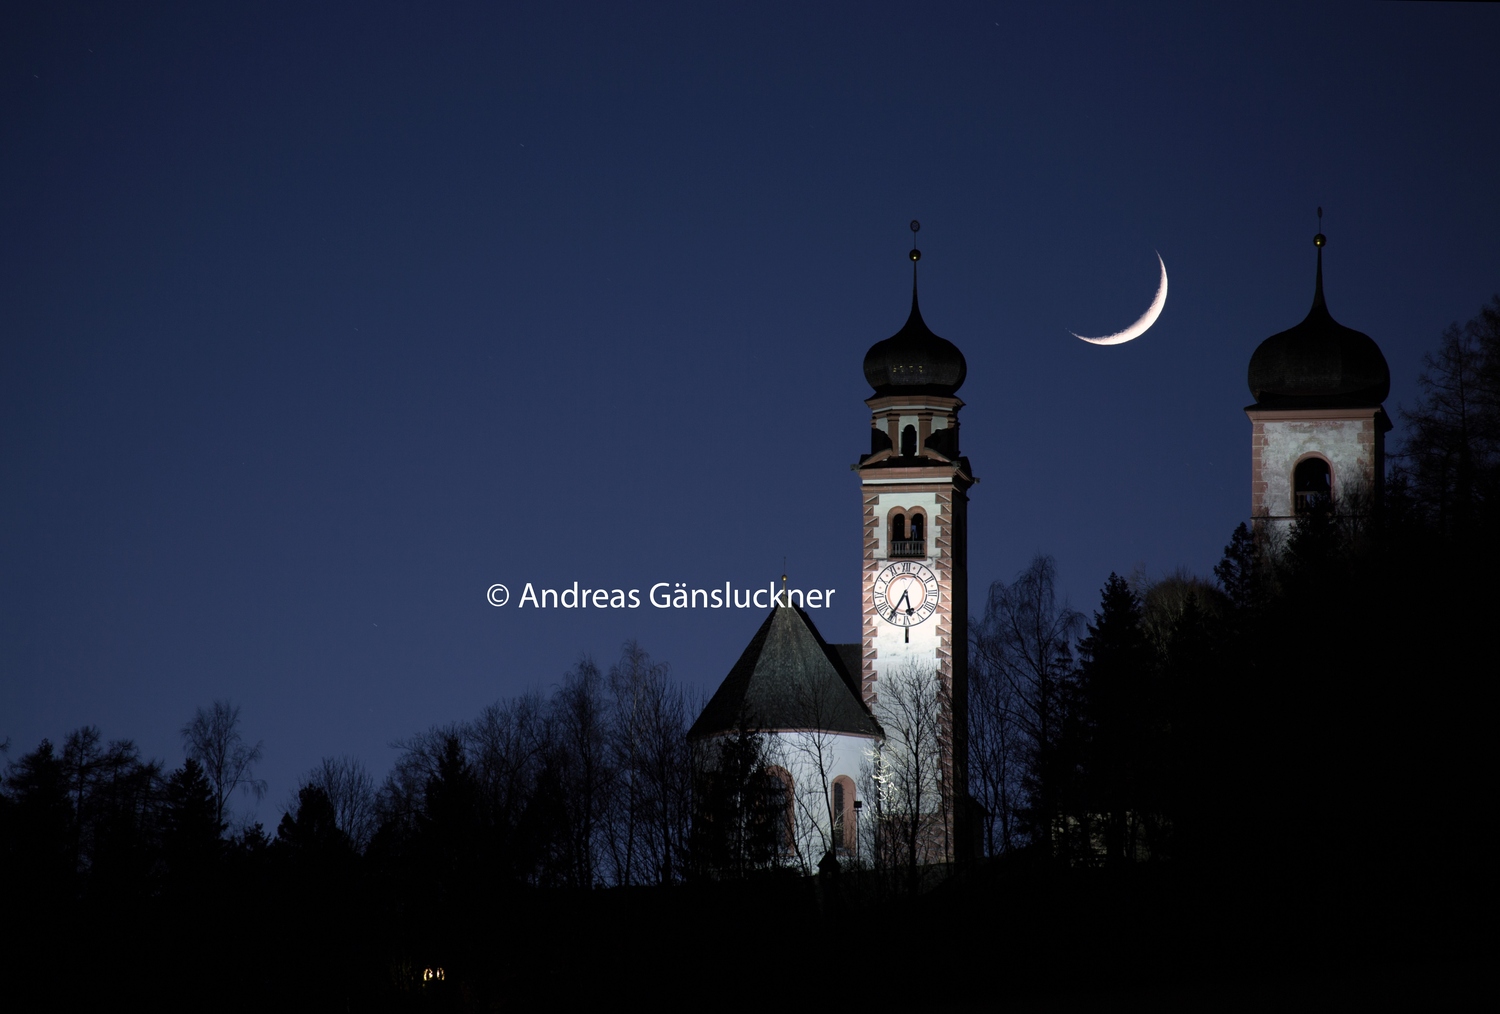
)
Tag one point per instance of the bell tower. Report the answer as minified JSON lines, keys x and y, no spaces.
{"x":914,"y":489}
{"x":1317,"y":426}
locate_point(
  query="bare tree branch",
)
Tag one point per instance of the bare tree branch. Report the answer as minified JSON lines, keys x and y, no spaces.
{"x":213,"y":739}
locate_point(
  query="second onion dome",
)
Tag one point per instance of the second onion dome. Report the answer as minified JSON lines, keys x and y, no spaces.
{"x":1320,"y":363}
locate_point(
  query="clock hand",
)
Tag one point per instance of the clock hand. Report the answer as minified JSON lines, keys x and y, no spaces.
{"x":905,"y":597}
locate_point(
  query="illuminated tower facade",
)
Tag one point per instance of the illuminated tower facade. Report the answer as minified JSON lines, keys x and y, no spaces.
{"x":1318,"y":424}
{"x":914,"y":489}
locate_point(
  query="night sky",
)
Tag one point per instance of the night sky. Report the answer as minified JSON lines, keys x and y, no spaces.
{"x":315,"y":322}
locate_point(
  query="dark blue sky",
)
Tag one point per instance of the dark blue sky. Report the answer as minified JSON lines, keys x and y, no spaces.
{"x":317,"y":321}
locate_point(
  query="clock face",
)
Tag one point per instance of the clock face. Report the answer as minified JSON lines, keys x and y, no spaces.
{"x":906,"y":593}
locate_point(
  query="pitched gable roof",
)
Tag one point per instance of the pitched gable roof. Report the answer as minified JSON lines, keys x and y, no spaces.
{"x":788,"y":678}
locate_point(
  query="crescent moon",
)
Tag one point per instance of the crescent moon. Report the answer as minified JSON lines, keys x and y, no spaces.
{"x":1141,"y":326}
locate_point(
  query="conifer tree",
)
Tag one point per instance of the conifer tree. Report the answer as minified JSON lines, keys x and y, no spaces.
{"x":1240,"y":571}
{"x":1450,"y":463}
{"x":191,"y":835}
{"x":1193,"y":675}
{"x":38,"y":832}
{"x":738,"y":823}
{"x":449,"y":826}
{"x":1116,"y":682}
{"x":312,"y":826}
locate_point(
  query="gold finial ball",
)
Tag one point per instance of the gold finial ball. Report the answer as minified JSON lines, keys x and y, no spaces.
{"x":915,"y":254}
{"x":1319,"y":239}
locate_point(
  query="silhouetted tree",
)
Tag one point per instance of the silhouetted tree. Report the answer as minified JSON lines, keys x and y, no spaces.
{"x":1195,"y":676}
{"x":213,"y":739}
{"x":913,"y":823}
{"x":1025,"y":639}
{"x":508,"y":747}
{"x":739,"y":807}
{"x":1450,"y":461}
{"x":351,"y":791}
{"x":191,"y":833}
{"x":315,"y":867}
{"x":309,"y":834}
{"x":1162,"y":603}
{"x":450,"y":825}
{"x":1242,"y":571}
{"x":83,"y":761}
{"x":115,"y":799}
{"x":650,"y":813}
{"x":402,"y":797}
{"x":582,"y":776}
{"x":39,"y":832}
{"x":997,"y":758}
{"x":1116,"y":676}
{"x":592,"y":785}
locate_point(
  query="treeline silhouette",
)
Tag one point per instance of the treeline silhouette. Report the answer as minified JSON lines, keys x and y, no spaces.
{"x":1273,"y":778}
{"x":362,"y":892}
{"x":1273,"y":769}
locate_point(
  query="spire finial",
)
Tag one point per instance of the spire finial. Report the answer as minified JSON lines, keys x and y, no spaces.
{"x":1319,"y":241}
{"x":915,"y":256}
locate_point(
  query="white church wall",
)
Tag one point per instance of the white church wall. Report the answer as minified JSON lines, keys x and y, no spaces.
{"x":814,"y":760}
{"x":893,"y":650}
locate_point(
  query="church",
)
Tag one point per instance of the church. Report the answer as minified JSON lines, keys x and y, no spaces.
{"x":870,"y":736}
{"x":873,"y":732}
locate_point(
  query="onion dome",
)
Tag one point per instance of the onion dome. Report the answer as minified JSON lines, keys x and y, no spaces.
{"x":915,"y":361}
{"x":1320,"y":363}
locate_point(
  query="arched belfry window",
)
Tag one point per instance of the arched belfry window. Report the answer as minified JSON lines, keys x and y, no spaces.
{"x":908,"y":534}
{"x":1312,"y":485}
{"x":909,"y":442}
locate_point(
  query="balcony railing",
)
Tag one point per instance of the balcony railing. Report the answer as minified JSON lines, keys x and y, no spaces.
{"x":1307,"y":501}
{"x":909,"y":547}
